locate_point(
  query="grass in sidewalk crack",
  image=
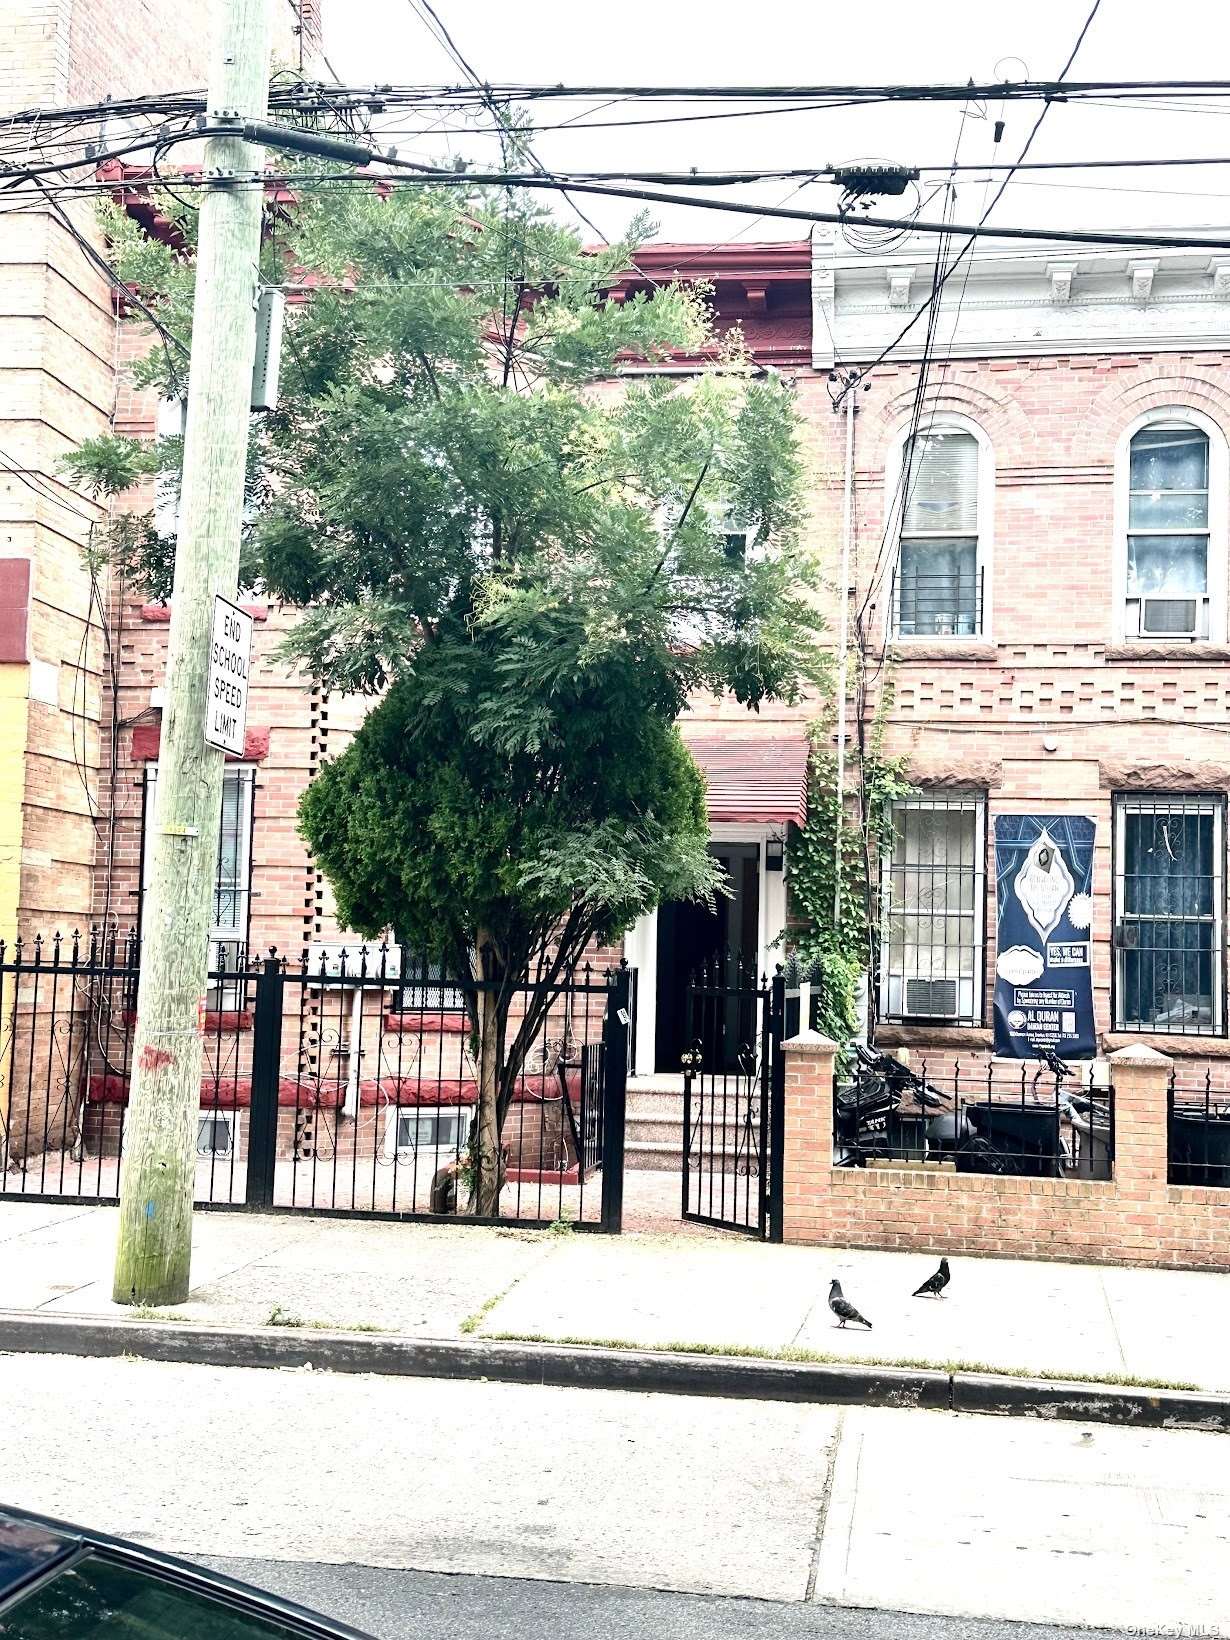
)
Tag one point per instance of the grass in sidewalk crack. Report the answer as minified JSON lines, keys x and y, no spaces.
{"x":475,"y":1319}
{"x":473,"y":1322}
{"x":278,"y":1317}
{"x":828,"y":1358}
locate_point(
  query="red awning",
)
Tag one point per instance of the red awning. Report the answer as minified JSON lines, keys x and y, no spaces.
{"x":760,"y":780}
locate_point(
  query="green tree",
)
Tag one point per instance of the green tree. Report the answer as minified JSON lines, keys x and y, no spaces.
{"x":531,"y":563}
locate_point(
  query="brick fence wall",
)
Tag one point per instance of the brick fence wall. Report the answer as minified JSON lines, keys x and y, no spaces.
{"x":1137,"y":1218}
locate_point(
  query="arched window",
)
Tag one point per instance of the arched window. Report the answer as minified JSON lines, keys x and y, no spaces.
{"x":1171,"y":497}
{"x":1168,"y":531}
{"x":941,"y":565}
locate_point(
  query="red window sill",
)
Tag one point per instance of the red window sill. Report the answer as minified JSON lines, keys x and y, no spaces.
{"x":160,"y":614}
{"x":422,"y":1022}
{"x":228,"y":1020}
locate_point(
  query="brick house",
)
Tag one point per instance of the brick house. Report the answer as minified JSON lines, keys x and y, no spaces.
{"x":1045,"y":616}
{"x":1037,"y":614}
{"x":1035,"y":654}
{"x":61,"y":344}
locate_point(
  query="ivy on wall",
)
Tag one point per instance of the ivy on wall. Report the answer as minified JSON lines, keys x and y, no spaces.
{"x":833,"y":945}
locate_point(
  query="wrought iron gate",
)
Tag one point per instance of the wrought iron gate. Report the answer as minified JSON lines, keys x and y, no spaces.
{"x":336,"y":1084}
{"x":734,"y":1101}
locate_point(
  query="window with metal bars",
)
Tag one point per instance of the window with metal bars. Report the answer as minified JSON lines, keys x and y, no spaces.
{"x":426,"y":986}
{"x":228,"y":933}
{"x":1167,"y":584}
{"x":1169,"y":914}
{"x":932,"y":900}
{"x":939,"y":575}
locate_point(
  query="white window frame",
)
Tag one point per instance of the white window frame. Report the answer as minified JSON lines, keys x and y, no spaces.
{"x":1126,"y":803}
{"x":227,"y":996}
{"x":967,"y":801}
{"x":407,"y":1154}
{"x":1219,"y":484}
{"x":209,"y":1113}
{"x":945,"y":421}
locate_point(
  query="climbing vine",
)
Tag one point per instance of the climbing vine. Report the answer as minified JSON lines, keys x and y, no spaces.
{"x":832,"y":930}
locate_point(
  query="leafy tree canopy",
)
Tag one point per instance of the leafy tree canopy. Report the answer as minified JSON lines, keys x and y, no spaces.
{"x":532,"y":554}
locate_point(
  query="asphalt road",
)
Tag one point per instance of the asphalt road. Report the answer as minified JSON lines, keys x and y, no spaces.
{"x":394,"y":1605}
{"x":558,"y":1503}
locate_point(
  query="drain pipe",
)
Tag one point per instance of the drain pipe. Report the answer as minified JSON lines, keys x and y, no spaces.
{"x":843,"y":641}
{"x":350,"y":1104}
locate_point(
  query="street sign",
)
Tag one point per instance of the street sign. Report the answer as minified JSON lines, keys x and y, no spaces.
{"x":226,"y":689}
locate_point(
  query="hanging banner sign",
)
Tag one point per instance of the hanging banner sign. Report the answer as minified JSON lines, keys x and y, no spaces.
{"x":226,"y":685}
{"x":1044,"y":900}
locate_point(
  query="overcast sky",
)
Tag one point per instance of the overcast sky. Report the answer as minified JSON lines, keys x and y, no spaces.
{"x":781,"y":41}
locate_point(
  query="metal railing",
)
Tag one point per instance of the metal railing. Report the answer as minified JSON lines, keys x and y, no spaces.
{"x":935,"y":604}
{"x":1198,"y":1133}
{"x":332,"y":1085}
{"x":1039,"y":1121}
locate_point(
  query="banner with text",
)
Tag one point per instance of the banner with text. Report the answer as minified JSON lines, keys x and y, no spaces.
{"x":1044,"y":899}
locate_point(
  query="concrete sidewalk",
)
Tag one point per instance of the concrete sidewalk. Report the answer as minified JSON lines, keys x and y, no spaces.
{"x":720,"y":1294}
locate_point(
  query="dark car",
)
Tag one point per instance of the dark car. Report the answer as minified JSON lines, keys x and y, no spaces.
{"x":58,"y":1582}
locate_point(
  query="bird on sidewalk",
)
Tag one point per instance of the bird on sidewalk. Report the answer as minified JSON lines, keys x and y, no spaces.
{"x":842,"y":1307}
{"x":934,"y":1285}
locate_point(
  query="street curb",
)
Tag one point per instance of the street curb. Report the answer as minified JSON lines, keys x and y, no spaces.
{"x":577,"y":1366}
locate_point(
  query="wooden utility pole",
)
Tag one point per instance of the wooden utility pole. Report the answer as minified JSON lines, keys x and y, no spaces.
{"x":156,"y":1184}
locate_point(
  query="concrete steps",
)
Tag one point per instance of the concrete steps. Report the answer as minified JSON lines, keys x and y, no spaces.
{"x":653,"y":1130}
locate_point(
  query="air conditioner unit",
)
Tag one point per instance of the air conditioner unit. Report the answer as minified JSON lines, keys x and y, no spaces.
{"x":1170,"y":617}
{"x":931,"y":998}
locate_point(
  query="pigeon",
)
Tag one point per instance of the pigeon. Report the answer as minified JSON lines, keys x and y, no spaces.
{"x":843,"y":1309}
{"x":934,"y":1285}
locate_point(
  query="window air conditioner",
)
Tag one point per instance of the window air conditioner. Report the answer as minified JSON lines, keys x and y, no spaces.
{"x":1169,"y":617}
{"x":931,"y":998}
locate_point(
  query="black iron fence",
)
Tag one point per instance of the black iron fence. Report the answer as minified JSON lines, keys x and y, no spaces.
{"x":338,"y":1083}
{"x":1034,"y":1120}
{"x":1198,"y":1133}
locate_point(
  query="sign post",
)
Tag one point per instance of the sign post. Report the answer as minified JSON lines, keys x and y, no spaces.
{"x":1043,"y":971}
{"x":226,"y":690}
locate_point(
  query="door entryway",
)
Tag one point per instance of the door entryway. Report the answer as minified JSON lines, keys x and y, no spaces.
{"x":691,"y":937}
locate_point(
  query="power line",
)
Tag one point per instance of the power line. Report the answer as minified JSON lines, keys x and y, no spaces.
{"x":999,"y":194}
{"x":1144,"y":238}
{"x":522,"y":143}
{"x":305,"y":97}
{"x":100,"y":263}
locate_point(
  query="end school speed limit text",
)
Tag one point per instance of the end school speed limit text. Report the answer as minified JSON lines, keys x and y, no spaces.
{"x":226,"y":686}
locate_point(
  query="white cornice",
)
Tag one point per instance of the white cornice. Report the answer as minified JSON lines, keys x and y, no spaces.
{"x":1028,"y":302}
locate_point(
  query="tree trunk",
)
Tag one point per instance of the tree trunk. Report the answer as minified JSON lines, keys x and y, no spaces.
{"x":488,"y":1171}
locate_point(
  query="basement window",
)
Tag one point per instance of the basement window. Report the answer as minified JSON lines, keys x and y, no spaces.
{"x":217,"y":1133}
{"x":428,"y":1135}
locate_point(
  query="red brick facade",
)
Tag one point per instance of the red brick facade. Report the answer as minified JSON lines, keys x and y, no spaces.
{"x":1047,"y":709}
{"x":1134,"y":1218}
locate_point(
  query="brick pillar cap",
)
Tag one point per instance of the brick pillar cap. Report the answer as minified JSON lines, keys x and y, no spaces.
{"x":1139,"y":1054}
{"x":810,"y":1042}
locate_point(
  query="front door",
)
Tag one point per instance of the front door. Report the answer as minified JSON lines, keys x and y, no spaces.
{"x":692,"y":937}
